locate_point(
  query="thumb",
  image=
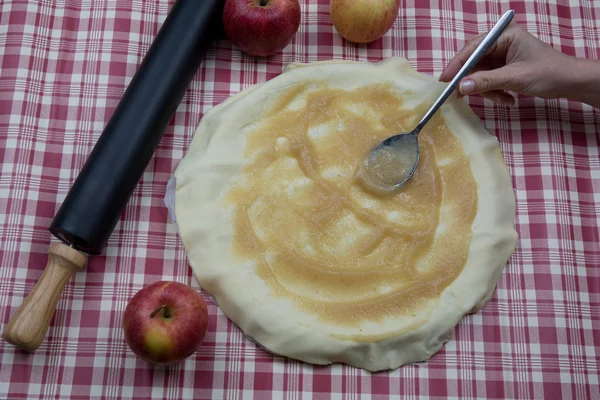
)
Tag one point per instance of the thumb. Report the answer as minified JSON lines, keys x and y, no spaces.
{"x":504,"y":78}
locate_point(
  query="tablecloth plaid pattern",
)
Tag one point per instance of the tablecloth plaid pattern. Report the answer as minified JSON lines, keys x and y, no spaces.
{"x":64,"y":65}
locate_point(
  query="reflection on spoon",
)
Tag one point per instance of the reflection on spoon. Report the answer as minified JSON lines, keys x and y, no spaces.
{"x":394,"y":162}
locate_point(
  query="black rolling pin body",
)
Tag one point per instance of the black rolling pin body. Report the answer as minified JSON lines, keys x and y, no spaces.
{"x":94,"y":204}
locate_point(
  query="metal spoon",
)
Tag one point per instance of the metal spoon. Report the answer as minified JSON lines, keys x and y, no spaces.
{"x":403,"y":149}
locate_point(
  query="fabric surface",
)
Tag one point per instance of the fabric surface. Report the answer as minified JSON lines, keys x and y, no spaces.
{"x":64,"y":65}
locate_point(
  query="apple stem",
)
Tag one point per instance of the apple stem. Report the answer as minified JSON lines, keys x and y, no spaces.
{"x":166,"y":315}
{"x":263,"y":3}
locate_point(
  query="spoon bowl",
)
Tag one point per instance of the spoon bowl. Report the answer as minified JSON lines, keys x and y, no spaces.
{"x":394,"y":160}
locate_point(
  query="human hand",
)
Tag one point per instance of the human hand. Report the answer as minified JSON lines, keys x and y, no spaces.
{"x":517,"y":62}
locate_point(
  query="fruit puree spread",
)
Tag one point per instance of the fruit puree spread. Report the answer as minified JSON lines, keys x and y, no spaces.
{"x":318,"y":237}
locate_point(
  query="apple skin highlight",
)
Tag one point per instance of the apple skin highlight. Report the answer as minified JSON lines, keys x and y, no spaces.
{"x":165,"y":322}
{"x":261,"y":28}
{"x":363,"y":21}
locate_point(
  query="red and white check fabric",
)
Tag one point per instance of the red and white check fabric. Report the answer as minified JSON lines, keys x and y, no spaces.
{"x":64,"y":65}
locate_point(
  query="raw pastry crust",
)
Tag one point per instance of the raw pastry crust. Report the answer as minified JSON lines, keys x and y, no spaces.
{"x":216,"y":156}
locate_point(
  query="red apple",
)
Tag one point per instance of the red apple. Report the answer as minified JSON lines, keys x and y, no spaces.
{"x":363,"y":21}
{"x":165,"y":322}
{"x":261,"y":27}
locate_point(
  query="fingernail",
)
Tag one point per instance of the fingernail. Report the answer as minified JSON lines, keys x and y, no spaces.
{"x":467,"y":87}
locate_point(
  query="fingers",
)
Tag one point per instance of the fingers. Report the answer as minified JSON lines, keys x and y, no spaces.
{"x":505,"y":78}
{"x":498,"y":51}
{"x":500,"y":97}
{"x":494,"y":75}
{"x":460,"y":58}
{"x":497,"y":96}
{"x":475,"y":69}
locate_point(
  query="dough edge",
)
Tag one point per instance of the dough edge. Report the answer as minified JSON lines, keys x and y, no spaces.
{"x":494,"y":240}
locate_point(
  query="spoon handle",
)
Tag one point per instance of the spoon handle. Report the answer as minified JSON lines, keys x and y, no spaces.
{"x":483,"y":47}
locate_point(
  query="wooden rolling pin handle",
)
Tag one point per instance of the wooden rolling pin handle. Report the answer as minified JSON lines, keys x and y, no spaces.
{"x":27,"y":327}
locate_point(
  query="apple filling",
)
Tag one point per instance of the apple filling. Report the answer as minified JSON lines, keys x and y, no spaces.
{"x":318,"y":237}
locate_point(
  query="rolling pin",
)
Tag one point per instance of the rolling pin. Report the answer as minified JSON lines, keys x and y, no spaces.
{"x":94,"y":204}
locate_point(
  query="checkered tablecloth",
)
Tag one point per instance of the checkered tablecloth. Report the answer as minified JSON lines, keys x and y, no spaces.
{"x":64,"y":65}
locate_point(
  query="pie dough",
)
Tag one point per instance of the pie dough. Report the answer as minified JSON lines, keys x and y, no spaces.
{"x":303,"y":257}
